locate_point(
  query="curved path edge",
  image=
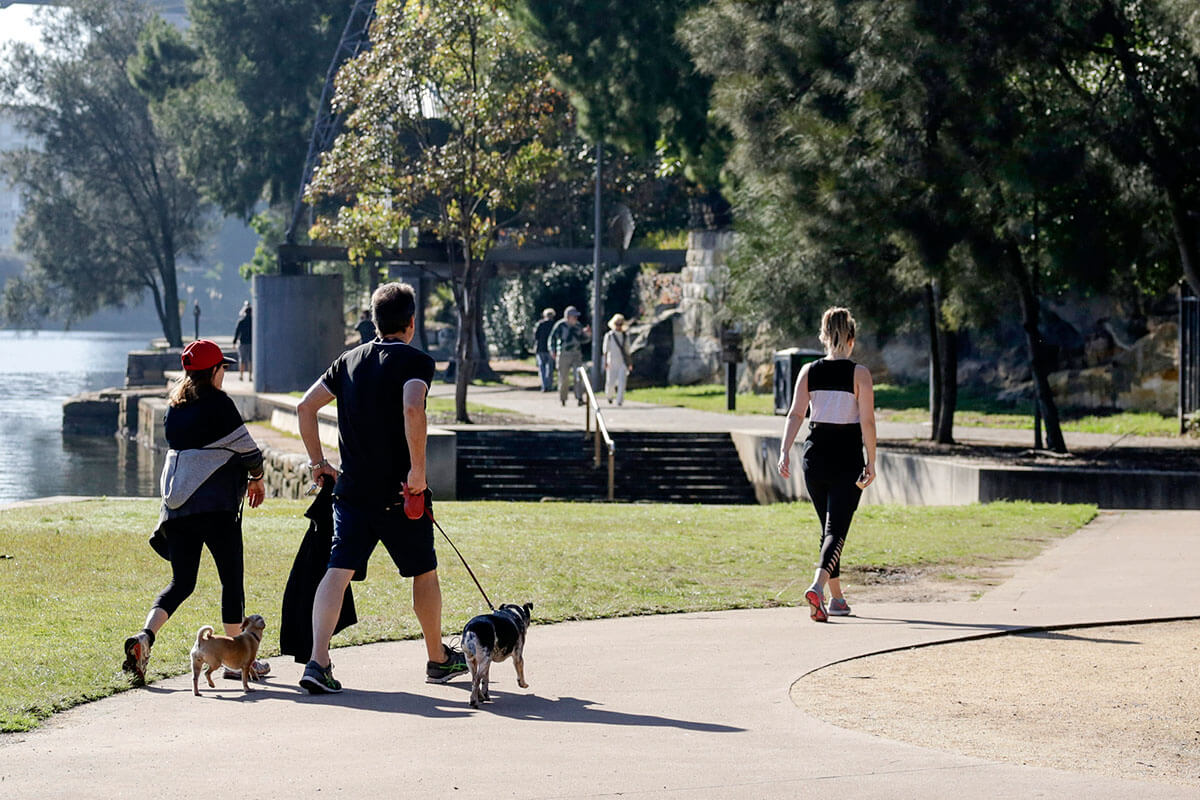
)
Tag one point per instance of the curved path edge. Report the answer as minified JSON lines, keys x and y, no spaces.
{"x":686,"y":705}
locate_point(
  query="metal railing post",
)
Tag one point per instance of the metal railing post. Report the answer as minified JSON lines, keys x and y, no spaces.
{"x":611,"y":474}
{"x":600,"y":432}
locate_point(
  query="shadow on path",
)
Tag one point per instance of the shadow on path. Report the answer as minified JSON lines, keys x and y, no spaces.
{"x":513,"y":706}
{"x":987,"y":630}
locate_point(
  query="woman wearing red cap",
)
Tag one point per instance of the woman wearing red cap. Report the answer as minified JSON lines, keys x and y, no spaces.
{"x":212,"y":462}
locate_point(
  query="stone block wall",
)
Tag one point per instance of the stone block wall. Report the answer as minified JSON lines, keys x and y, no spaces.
{"x":91,"y":413}
{"x":150,"y":367}
{"x":286,"y":474}
{"x":696,"y":355}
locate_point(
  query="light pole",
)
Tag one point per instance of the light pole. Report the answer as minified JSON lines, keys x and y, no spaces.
{"x":596,"y":310}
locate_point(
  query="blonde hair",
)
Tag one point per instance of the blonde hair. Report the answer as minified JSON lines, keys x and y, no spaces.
{"x":837,"y":330}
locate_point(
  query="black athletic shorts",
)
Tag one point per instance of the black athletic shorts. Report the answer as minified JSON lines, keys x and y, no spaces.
{"x":356,"y":531}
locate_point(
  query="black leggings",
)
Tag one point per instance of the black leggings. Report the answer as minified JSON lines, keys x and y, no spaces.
{"x":186,"y":537}
{"x":833,"y":460}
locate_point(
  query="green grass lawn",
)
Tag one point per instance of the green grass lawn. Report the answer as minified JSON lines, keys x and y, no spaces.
{"x":702,"y":397}
{"x":440,"y":405}
{"x":79,"y":577}
{"x":911,"y":404}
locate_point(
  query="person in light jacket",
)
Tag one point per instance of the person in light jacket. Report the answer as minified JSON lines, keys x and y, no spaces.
{"x":211,"y":464}
{"x":617,"y":361}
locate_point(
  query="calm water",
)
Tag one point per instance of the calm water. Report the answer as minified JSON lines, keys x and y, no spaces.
{"x":38,"y":371}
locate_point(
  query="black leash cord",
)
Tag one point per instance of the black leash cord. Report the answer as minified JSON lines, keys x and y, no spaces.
{"x":463,"y":560}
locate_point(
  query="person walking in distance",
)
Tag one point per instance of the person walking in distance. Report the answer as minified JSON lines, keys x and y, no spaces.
{"x":617,"y":361}
{"x":365,"y":328}
{"x":541,"y":349}
{"x":243,"y":335}
{"x":380,"y":388}
{"x":841,"y":398}
{"x":566,"y":342}
{"x":211,"y":464}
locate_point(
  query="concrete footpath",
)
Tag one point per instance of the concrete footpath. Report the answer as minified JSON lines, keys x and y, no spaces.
{"x":688,"y":705}
{"x":633,"y":416}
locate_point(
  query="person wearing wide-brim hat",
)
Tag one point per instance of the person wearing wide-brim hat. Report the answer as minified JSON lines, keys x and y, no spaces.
{"x":567,"y":338}
{"x":618,"y":362}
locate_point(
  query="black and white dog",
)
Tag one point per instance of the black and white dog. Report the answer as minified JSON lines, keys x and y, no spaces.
{"x":495,"y":637}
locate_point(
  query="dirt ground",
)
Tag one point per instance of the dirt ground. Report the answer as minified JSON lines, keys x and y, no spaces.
{"x":1121,"y":701}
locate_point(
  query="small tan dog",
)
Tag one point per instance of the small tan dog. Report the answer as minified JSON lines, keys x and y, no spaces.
{"x":235,"y":652}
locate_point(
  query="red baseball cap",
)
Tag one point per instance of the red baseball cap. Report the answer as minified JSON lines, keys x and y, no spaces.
{"x":203,"y":354}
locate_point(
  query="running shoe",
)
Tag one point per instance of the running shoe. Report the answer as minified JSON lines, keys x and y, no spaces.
{"x":261,"y":668}
{"x":137,"y":655}
{"x":838,"y":607}
{"x":319,"y":680}
{"x":816,"y":603}
{"x":455,"y":664}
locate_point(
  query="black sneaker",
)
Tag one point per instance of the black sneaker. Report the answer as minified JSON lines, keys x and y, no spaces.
{"x":455,"y":664}
{"x":137,"y":656}
{"x":320,"y":680}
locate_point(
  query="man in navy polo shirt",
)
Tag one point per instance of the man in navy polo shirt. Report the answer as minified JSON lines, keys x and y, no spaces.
{"x":380,"y":387}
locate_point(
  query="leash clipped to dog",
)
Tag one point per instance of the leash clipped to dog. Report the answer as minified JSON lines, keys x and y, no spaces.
{"x":415,"y":508}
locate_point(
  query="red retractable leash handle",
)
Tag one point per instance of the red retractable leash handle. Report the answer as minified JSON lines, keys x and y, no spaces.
{"x":415,"y":507}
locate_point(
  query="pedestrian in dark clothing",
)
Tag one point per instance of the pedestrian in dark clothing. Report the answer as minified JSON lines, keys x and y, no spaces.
{"x":212,"y":462}
{"x":541,"y":349}
{"x":380,"y":388}
{"x":243,"y":335}
{"x":365,"y":328}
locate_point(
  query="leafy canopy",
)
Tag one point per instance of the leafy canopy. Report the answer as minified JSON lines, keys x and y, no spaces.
{"x":106,"y":209}
{"x":237,"y":92}
{"x":452,"y":125}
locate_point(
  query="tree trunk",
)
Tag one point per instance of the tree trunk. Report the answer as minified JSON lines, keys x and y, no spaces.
{"x":464,"y":348}
{"x":169,"y":315}
{"x":944,"y":424}
{"x":483,"y":363}
{"x":935,"y":360}
{"x":1030,"y":316}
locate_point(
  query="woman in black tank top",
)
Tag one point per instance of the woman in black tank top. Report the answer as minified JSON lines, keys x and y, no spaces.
{"x":841,"y":398}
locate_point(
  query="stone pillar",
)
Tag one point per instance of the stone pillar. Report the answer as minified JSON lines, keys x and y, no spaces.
{"x":298,"y":329}
{"x":414,"y":276}
{"x":696,"y":357}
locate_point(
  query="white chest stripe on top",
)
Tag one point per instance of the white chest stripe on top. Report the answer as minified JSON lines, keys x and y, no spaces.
{"x":834,"y":407}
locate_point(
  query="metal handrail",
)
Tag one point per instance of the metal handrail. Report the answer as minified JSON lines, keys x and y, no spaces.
{"x":601,"y":429}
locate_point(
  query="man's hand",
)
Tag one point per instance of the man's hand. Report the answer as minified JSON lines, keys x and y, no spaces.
{"x":416,"y":481}
{"x":324,"y":469}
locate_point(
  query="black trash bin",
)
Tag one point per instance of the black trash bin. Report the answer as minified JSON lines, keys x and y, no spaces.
{"x":787,"y":370}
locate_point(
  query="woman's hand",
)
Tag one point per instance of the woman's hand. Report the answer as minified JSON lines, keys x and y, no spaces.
{"x":784,"y":466}
{"x":256,"y":490}
{"x":867,"y":477}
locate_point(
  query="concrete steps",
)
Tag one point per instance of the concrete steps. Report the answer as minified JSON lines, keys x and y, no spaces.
{"x":658,"y":467}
